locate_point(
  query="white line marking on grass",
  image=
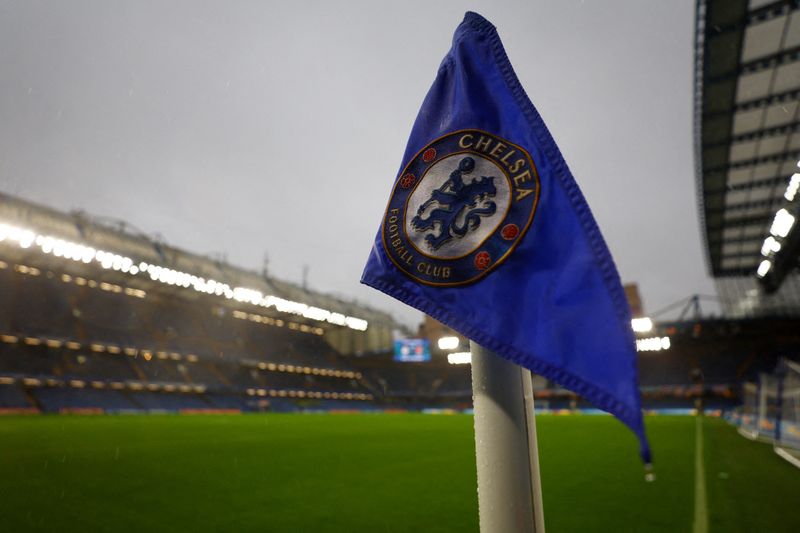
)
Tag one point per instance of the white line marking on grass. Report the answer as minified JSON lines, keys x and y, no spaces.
{"x":700,"y":507}
{"x":786,"y":455}
{"x":752,"y":435}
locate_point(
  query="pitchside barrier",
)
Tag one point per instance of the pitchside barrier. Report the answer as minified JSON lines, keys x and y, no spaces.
{"x":771,"y":410}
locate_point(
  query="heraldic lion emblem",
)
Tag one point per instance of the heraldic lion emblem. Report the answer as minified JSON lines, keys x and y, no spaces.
{"x":456,"y":211}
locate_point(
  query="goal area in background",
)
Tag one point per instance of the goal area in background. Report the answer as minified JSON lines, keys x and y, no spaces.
{"x":771,"y":410}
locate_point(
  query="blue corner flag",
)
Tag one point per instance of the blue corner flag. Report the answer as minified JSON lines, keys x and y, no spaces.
{"x":487,"y":231}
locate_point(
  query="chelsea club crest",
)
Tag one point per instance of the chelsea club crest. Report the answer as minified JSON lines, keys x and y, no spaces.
{"x":460,"y":207}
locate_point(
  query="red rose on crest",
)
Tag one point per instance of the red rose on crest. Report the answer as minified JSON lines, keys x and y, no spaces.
{"x":482,"y":260}
{"x":509,"y":231}
{"x":407,"y":181}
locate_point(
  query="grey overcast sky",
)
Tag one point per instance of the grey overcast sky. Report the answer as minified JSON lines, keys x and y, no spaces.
{"x":247,"y":127}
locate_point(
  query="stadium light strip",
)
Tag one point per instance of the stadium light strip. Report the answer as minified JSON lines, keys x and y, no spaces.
{"x":763,"y":268}
{"x":28,"y":239}
{"x":448,"y":343}
{"x":771,"y":246}
{"x":782,"y":224}
{"x":97,"y":384}
{"x":793,"y":187}
{"x":284,"y":367}
{"x":653,"y":344}
{"x":282,"y":393}
{"x":268,"y":320}
{"x":459,"y":358}
{"x":66,"y":278}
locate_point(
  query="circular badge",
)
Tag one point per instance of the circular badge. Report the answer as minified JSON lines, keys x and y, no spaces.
{"x":460,"y":207}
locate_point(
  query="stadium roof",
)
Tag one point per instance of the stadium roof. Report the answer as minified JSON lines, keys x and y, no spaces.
{"x":747,"y":125}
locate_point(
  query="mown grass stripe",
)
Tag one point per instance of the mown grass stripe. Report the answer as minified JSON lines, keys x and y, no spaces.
{"x":700,"y":524}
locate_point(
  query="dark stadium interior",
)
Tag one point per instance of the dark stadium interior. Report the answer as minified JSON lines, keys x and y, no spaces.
{"x":72,"y":343}
{"x":69,"y":346}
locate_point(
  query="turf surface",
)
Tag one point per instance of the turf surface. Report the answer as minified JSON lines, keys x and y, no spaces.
{"x":368,"y":473}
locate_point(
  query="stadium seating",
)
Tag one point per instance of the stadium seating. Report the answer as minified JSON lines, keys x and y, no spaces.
{"x":154,"y":401}
{"x":226,"y":401}
{"x":12,"y":396}
{"x":20,"y":359}
{"x":57,"y":399}
{"x":92,"y":366}
{"x":94,"y":346}
{"x":457,"y":381}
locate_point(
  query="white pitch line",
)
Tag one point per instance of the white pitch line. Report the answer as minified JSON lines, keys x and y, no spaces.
{"x":700,"y":506}
{"x":752,"y":435}
{"x":786,"y":455}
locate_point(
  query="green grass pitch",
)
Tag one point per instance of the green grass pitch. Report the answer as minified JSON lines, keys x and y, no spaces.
{"x":376,"y":473}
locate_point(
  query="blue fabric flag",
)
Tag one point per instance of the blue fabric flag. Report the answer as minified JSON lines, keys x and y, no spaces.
{"x":487,"y":231}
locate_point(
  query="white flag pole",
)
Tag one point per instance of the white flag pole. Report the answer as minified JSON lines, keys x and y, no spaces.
{"x":509,"y":485}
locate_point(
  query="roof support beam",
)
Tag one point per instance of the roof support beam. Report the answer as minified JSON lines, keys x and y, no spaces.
{"x":766,"y":204}
{"x":758,"y":184}
{"x":741,"y":221}
{"x":736,"y":255}
{"x":736,"y":240}
{"x":780,"y":57}
{"x":766,"y":101}
{"x":784,"y":129}
{"x":780,"y":157}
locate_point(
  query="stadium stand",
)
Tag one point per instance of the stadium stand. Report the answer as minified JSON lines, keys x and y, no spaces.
{"x":85,"y":332}
{"x":12,"y":397}
{"x":68,"y":399}
{"x":84,"y":335}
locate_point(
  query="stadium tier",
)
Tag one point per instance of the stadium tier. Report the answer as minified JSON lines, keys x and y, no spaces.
{"x":118,"y":334}
{"x":94,"y":319}
{"x":66,"y":347}
{"x":133,"y":355}
{"x":71,"y":343}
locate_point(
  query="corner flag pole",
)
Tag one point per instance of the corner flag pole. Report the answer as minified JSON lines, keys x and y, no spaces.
{"x":509,"y":484}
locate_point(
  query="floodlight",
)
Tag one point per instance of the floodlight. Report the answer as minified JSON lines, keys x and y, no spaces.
{"x":459,"y":358}
{"x":770,"y":245}
{"x":782,"y":223}
{"x":792,"y":188}
{"x":763,"y":268}
{"x":448,"y":343}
